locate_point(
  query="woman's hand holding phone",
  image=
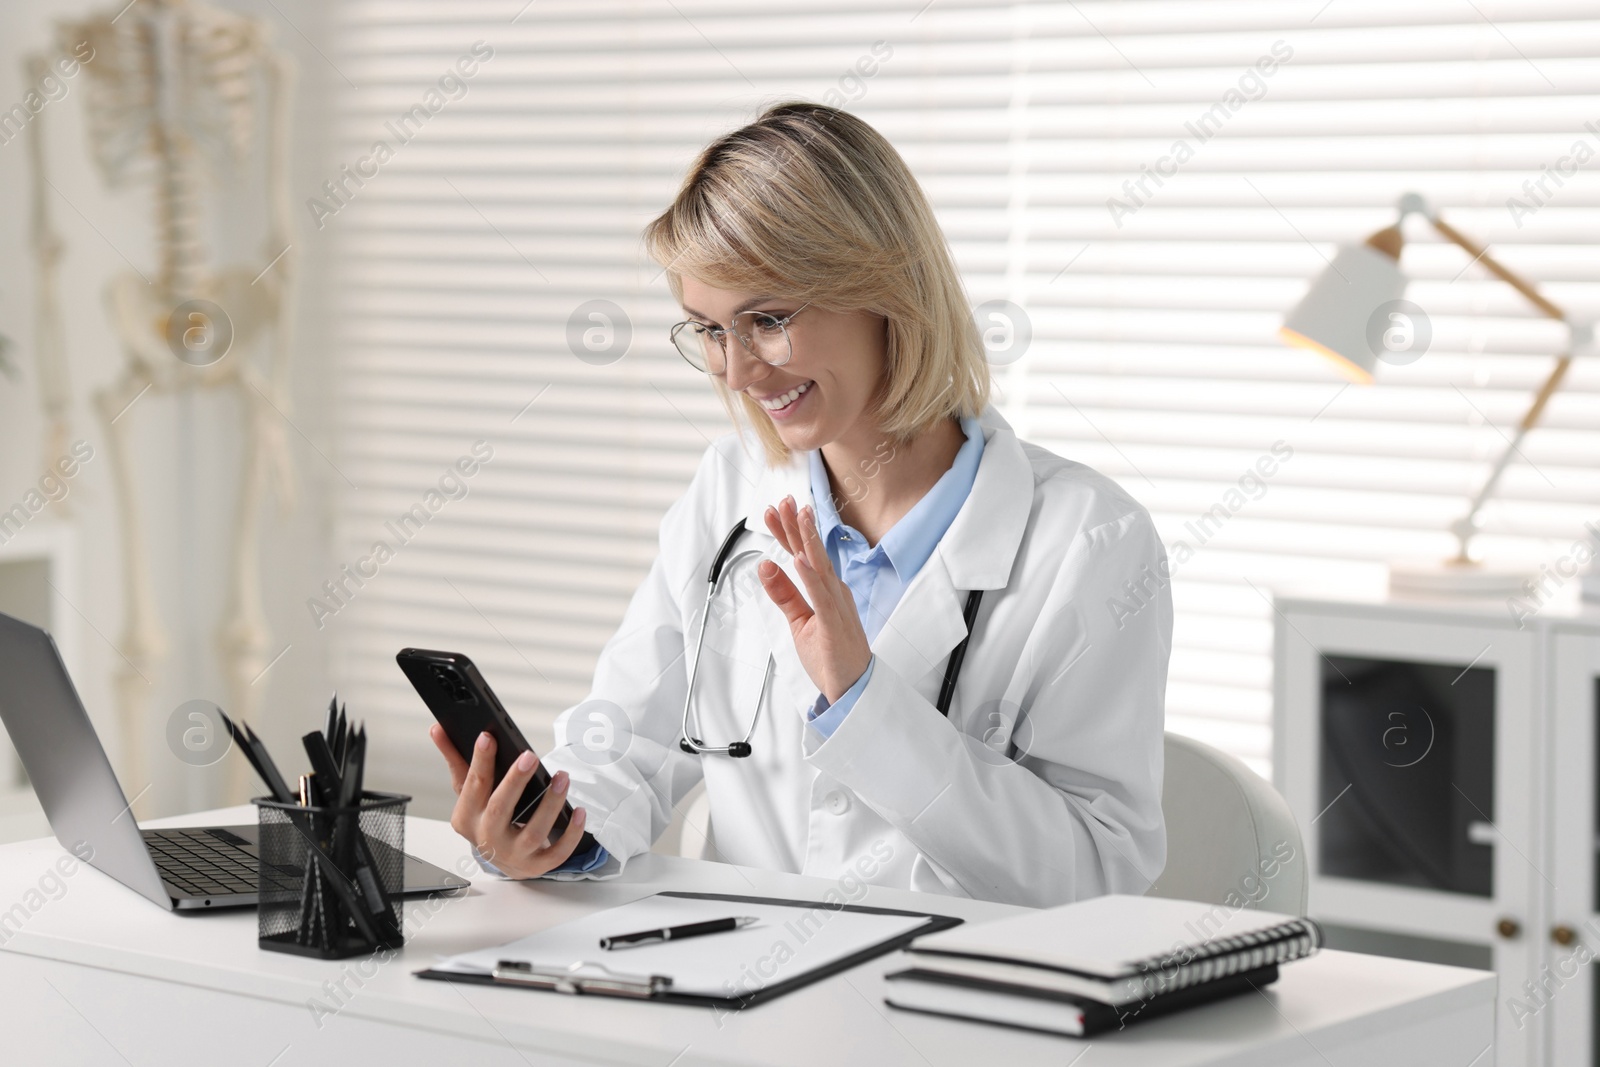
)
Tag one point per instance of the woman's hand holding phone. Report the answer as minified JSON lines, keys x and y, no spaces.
{"x":483,"y":810}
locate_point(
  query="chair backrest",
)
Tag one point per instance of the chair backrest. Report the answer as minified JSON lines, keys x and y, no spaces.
{"x":1231,"y":838}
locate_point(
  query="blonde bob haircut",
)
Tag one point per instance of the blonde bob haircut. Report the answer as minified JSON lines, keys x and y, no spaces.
{"x":810,"y":203}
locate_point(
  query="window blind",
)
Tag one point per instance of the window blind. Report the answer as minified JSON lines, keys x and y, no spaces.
{"x":1152,"y":183}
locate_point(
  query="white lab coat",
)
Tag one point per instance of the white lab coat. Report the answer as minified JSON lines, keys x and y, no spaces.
{"x":1042,"y":787}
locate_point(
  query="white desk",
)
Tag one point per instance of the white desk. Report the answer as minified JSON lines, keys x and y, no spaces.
{"x":101,"y":976}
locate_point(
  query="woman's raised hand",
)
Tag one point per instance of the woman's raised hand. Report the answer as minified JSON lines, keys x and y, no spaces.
{"x":827,"y":632}
{"x":483,"y":810}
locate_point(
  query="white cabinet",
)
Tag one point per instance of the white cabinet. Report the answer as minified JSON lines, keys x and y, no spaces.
{"x":1441,"y":759}
{"x":1567,"y":996}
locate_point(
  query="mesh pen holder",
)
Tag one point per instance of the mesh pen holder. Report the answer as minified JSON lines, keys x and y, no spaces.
{"x":330,"y":878}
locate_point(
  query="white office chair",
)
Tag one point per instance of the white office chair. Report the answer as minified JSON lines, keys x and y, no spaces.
{"x":1226,"y":826}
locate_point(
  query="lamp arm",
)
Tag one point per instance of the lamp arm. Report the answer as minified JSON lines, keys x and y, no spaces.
{"x":1465,"y":527}
{"x":1499,"y":270}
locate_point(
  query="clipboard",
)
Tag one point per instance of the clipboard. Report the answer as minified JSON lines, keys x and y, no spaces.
{"x":587,"y":978}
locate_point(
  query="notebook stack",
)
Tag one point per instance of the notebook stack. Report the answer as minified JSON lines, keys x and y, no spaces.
{"x":1099,"y":964}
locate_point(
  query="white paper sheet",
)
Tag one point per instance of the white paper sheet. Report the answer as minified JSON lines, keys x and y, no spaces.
{"x":787,"y":941}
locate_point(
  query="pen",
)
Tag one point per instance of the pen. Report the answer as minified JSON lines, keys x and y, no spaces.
{"x":256,"y":753}
{"x":678,"y":933}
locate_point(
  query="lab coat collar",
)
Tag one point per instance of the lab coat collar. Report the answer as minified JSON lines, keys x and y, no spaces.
{"x":982,"y":543}
{"x":976,"y":552}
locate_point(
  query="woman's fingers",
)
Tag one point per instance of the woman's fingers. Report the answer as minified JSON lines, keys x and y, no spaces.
{"x":817,"y":589}
{"x":788,"y":528}
{"x":783,"y":522}
{"x":827,"y":591}
{"x":536,"y":835}
{"x":827,"y":633}
{"x":561,"y":848}
{"x":795,"y":529}
{"x":790,"y":513}
{"x":775,"y":527}
{"x":782,"y":592}
{"x":474,"y":792}
{"x":503,"y":805}
{"x":479,"y":781}
{"x":452,"y":758}
{"x":811,"y":544}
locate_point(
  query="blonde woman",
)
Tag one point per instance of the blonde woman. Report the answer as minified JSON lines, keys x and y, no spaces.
{"x":934,"y":656}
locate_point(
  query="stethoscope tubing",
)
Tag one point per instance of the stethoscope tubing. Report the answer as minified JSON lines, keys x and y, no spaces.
{"x":741,"y":748}
{"x":690,"y":744}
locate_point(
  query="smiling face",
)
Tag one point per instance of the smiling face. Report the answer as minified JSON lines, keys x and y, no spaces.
{"x":825,"y":392}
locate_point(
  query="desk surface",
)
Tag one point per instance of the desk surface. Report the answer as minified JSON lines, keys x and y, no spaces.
{"x":1336,"y":1008}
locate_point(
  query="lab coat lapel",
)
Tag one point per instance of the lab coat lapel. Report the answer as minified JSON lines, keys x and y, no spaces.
{"x":976,"y":552}
{"x":924,"y":626}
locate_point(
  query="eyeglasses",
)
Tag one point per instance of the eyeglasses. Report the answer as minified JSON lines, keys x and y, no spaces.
{"x":763,"y":334}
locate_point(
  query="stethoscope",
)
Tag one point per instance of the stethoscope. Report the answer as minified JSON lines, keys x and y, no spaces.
{"x":741,"y":748}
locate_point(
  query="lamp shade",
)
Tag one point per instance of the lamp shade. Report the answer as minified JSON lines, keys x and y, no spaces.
{"x":1332,"y":318}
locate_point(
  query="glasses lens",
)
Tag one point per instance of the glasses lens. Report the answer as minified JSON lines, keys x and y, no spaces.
{"x":764,"y":335}
{"x":697,"y":345}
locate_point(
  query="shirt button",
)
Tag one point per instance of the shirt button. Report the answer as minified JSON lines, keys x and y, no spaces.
{"x":837,"y":802}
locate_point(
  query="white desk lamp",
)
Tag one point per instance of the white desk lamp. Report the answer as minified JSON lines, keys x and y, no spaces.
{"x":1342,"y":316}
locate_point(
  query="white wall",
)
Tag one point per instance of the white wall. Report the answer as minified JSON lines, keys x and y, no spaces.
{"x":187,"y":447}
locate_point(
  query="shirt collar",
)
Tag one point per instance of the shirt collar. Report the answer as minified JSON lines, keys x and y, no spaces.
{"x":910,"y":542}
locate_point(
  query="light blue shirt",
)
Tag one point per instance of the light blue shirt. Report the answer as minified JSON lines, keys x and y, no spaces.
{"x":584,"y":862}
{"x":877,"y":575}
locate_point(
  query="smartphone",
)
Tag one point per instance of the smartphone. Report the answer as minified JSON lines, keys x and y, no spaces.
{"x":449,"y":683}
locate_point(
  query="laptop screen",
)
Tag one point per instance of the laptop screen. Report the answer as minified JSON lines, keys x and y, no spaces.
{"x":65,"y":761}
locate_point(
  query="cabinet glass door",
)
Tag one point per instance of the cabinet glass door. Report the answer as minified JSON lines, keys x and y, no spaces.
{"x":1407,"y":773}
{"x":1408,"y":744}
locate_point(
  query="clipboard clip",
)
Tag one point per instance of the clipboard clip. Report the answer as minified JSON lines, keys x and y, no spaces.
{"x":581,"y":978}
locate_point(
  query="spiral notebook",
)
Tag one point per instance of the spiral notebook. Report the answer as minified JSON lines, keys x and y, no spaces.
{"x":1088,"y":966}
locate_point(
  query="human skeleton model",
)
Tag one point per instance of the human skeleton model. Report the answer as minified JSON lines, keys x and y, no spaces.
{"x":176,"y":90}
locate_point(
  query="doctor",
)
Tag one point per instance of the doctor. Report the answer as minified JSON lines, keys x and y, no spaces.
{"x":935,"y":655}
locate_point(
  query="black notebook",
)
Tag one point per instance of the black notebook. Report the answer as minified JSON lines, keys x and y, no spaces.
{"x":1099,"y":964}
{"x":1031,"y":1008}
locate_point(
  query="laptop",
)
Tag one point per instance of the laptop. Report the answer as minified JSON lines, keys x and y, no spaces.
{"x":181,"y":869}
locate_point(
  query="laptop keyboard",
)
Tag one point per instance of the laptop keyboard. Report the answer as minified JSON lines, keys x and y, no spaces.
{"x":202,"y":862}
